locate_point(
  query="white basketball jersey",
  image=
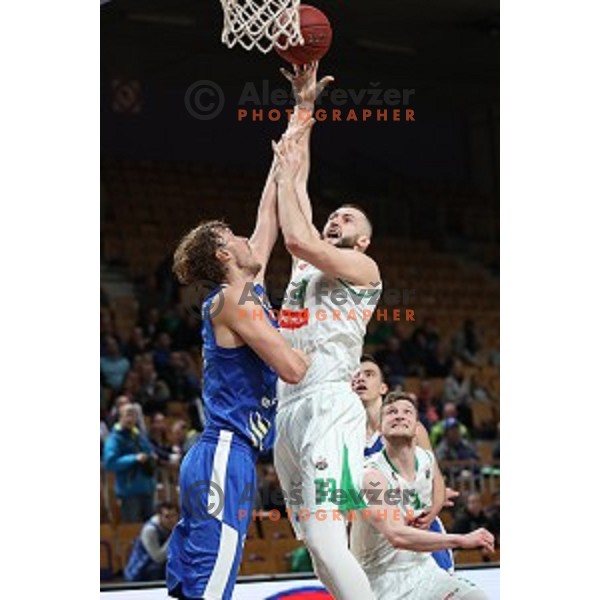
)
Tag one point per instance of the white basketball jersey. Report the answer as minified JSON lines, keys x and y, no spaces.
{"x":327,"y":318}
{"x":370,"y":547}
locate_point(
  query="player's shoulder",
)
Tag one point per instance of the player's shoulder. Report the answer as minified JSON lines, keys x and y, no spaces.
{"x":375,"y":462}
{"x":373,"y":475}
{"x":240,"y":293}
{"x":425,"y":457}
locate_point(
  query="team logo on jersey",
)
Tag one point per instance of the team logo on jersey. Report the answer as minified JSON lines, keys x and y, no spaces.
{"x":267,"y":403}
{"x":321,"y":463}
{"x":427,"y":473}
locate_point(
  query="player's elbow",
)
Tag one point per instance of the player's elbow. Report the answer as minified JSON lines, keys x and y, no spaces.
{"x":293,"y":374}
{"x":398,"y":540}
{"x":298,"y":246}
{"x":294,"y":369}
{"x":293,"y":244}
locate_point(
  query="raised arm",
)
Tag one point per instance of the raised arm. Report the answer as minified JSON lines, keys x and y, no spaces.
{"x":387,"y":518}
{"x":266,"y":229}
{"x":306,"y":90}
{"x":301,"y":238}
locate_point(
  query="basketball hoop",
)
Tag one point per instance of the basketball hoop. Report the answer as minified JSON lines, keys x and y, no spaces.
{"x":261,"y":24}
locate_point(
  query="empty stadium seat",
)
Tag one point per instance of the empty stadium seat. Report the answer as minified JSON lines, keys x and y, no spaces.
{"x":107,"y":552}
{"x":468,"y":557}
{"x":281,"y":551}
{"x":125,"y":536}
{"x":257,"y":558}
{"x":276,"y":530}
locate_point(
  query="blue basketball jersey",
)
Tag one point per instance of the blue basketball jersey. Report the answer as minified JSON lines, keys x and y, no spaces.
{"x":374,"y":445}
{"x":238,"y":386}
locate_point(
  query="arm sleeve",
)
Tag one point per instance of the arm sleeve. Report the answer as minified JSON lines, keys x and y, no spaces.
{"x":149,"y":538}
{"x":112,"y":460}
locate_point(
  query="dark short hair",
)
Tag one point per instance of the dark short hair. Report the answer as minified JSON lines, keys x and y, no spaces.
{"x":395,"y":396}
{"x":360,"y":209}
{"x":368,"y":358}
{"x":166,"y":506}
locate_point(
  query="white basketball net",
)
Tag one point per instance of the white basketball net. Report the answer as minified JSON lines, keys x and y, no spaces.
{"x":261,"y":23}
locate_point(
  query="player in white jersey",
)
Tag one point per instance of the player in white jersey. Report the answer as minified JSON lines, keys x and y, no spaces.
{"x":368,"y":383}
{"x":320,"y":422}
{"x":399,"y":484}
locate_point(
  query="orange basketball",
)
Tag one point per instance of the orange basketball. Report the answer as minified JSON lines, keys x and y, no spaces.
{"x":317,"y":33}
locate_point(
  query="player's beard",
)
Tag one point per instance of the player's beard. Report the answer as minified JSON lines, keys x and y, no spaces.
{"x":347,"y":241}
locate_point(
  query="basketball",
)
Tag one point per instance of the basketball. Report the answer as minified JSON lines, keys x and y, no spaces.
{"x":317,"y":34}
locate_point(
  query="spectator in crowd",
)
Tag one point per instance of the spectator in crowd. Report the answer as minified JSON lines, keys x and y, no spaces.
{"x":107,"y":328}
{"x":148,"y":556}
{"x":154,"y":392}
{"x":300,"y":561}
{"x":128,"y":453}
{"x":104,"y":431}
{"x":392,"y":361}
{"x":113,"y":365}
{"x":270,"y":495}
{"x":493,"y":515}
{"x":472,"y":517}
{"x":454,"y":448}
{"x":431,"y":334}
{"x":457,"y":389}
{"x":417,"y":353}
{"x":467,"y":343}
{"x":157,"y":435}
{"x":179,"y":437}
{"x":187,"y":335}
{"x":122,"y":400}
{"x":138,"y":344}
{"x":437,"y":431}
{"x":494,"y":358}
{"x":131,"y":385}
{"x":480,"y":391}
{"x":439,"y":361}
{"x":380,"y":333}
{"x":162,"y":354}
{"x":152,"y":323}
{"x":182,"y":381}
{"x":427,"y":411}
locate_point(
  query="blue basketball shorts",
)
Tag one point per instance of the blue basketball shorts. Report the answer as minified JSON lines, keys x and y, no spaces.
{"x":217,"y":484}
{"x":443,"y":558}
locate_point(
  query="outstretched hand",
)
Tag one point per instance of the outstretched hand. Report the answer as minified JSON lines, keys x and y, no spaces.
{"x":304,"y":83}
{"x":480,"y":538}
{"x":450,"y":496}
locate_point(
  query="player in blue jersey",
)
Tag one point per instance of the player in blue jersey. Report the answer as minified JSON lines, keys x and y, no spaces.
{"x":244,"y":354}
{"x":368,"y":383}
